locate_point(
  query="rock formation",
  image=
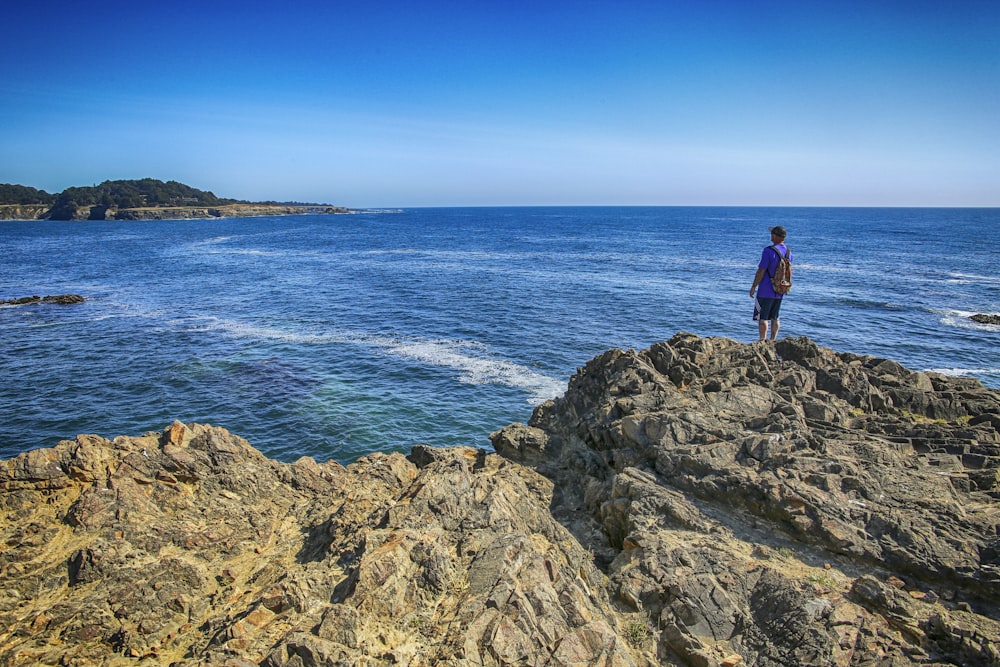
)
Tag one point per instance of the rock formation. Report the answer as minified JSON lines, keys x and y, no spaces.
{"x":786,"y":503}
{"x":986,"y":319}
{"x":702,"y":502}
{"x":59,"y":299}
{"x":227,"y":211}
{"x":22,"y":211}
{"x":89,"y":212}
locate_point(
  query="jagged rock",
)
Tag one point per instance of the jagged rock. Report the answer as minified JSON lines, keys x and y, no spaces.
{"x":754,"y":497}
{"x":702,"y":502}
{"x":986,"y":319}
{"x":61,"y":299}
{"x":189,"y":547}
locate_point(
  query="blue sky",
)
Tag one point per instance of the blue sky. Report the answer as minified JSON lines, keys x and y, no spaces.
{"x":382,"y":104}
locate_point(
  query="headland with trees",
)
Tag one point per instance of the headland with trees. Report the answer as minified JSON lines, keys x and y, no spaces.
{"x":142,"y":199}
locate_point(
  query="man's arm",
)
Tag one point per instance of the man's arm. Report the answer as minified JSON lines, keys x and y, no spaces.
{"x":756,"y":280}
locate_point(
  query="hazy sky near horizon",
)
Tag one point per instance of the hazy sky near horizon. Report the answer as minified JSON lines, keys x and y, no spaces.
{"x":386,"y":104}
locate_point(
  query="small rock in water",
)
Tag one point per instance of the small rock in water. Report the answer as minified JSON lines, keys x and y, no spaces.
{"x":60,"y":299}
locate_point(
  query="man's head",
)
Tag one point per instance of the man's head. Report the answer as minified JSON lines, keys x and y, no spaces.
{"x":778,"y":233}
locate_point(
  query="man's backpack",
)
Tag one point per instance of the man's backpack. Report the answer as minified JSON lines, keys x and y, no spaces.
{"x":781,"y":281}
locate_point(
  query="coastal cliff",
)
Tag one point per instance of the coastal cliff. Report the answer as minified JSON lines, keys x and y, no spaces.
{"x":22,"y":211}
{"x":703,"y":502}
{"x":228,"y":211}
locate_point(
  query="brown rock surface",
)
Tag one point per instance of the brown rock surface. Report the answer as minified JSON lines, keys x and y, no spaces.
{"x":189,"y":547}
{"x":703,"y":502}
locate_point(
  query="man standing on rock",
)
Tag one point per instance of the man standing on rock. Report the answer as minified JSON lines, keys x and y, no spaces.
{"x":767,"y":303}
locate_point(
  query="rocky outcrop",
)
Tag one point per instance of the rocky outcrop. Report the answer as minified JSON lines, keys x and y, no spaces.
{"x":702,"y":502}
{"x":228,"y":211}
{"x":189,"y":547}
{"x":986,"y":319}
{"x":784,"y":503}
{"x":59,"y":299}
{"x":22,"y":211}
{"x":39,"y":212}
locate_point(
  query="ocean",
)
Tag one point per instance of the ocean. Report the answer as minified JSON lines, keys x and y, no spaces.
{"x":334,"y":336}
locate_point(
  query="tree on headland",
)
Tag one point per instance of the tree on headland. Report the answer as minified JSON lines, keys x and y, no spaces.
{"x":24,"y":195}
{"x":119,"y":199}
{"x":130,"y":194}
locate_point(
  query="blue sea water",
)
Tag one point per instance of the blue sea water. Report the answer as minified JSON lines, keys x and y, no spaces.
{"x":337,"y":336}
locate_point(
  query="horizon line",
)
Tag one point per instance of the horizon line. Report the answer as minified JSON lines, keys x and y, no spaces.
{"x":887,"y":206}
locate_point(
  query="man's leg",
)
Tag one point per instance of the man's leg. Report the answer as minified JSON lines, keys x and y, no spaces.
{"x":762,"y":327}
{"x":775,"y":324}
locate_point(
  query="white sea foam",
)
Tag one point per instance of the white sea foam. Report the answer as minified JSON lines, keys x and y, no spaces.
{"x":964,"y":372}
{"x":222,"y":251}
{"x":961,"y":320}
{"x":826,"y":268}
{"x":392,"y":251}
{"x":473,"y":360}
{"x":253,"y":331}
{"x":475,"y":365}
{"x":972,"y":278}
{"x":217,"y":246}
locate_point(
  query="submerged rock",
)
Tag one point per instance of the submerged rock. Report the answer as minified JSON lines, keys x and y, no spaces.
{"x":986,"y":319}
{"x":702,"y":502}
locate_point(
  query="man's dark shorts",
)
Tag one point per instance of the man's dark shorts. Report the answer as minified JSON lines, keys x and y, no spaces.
{"x":766,"y":309}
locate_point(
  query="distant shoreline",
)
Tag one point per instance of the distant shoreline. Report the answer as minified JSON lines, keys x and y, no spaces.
{"x":95,"y":213}
{"x":142,"y":199}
